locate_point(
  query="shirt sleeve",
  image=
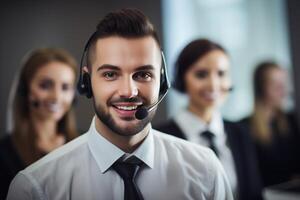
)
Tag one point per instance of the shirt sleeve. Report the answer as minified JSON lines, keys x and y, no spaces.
{"x":24,"y":187}
{"x":221,"y":188}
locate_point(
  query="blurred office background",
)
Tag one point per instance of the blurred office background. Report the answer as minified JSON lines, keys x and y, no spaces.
{"x":251,"y":30}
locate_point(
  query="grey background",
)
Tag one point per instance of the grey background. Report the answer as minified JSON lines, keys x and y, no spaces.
{"x":293,"y":10}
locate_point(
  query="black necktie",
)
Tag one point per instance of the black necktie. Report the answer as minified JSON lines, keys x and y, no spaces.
{"x":210,"y":138}
{"x":128,"y":172}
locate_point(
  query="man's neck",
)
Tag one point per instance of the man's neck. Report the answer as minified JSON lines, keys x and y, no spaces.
{"x":127,"y":143}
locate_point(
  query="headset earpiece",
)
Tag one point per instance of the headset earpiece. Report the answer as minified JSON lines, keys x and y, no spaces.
{"x":22,"y":90}
{"x":164,"y":80}
{"x":86,"y":85}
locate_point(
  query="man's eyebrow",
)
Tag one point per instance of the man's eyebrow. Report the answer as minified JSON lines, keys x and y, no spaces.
{"x":113,"y":67}
{"x":108,"y":66}
{"x":145,"y":67}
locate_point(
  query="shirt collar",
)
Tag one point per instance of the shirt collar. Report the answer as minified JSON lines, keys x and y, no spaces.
{"x":106,"y":153}
{"x":192,"y":125}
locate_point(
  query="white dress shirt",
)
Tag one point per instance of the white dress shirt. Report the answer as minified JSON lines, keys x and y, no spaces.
{"x":81,"y":170}
{"x":192,"y":126}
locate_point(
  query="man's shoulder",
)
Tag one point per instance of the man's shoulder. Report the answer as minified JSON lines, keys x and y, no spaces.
{"x":187,"y":150}
{"x":195,"y":160}
{"x":169,"y":139}
{"x":62,"y":156}
{"x":50,"y":171}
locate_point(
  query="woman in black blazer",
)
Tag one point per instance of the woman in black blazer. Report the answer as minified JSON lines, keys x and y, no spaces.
{"x":202,"y":72}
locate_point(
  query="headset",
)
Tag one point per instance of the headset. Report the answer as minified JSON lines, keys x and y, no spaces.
{"x":84,"y":85}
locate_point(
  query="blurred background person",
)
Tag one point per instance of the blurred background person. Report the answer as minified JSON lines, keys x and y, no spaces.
{"x":202,"y":72}
{"x":43,"y":117}
{"x":275,"y":132}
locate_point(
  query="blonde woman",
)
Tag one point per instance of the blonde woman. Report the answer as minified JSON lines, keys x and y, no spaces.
{"x":43,"y":117}
{"x":275,"y":132}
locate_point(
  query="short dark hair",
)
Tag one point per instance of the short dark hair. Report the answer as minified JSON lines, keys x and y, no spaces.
{"x":188,"y":56}
{"x":260,"y":77}
{"x":127,"y":23}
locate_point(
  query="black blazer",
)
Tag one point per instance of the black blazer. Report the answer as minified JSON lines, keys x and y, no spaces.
{"x":279,"y":161}
{"x":239,"y":141}
{"x":10,"y":164}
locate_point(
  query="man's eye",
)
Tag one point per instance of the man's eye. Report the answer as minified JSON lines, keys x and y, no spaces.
{"x":110,"y":75}
{"x":143,"y":76}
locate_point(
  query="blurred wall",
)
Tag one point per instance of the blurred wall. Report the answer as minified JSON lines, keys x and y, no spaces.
{"x":293,"y":10}
{"x":30,"y":24}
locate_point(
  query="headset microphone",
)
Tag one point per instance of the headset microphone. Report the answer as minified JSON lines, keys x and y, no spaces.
{"x":143,"y":112}
{"x":35,"y":103}
{"x":230,"y":89}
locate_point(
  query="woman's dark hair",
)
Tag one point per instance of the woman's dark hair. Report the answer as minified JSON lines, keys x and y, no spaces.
{"x":188,"y":56}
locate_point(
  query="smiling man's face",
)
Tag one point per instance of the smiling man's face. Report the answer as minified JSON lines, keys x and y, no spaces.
{"x":125,"y":75}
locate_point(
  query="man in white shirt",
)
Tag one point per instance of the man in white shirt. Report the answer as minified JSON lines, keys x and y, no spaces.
{"x":122,"y":157}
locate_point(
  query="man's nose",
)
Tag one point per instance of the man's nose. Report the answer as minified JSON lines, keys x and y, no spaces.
{"x":128,"y":88}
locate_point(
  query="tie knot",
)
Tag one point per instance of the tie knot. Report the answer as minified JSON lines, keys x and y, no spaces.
{"x":126,"y":170}
{"x":210,"y":139}
{"x":207,"y":134}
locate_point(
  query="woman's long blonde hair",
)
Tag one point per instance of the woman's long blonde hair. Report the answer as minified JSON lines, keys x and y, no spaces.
{"x":23,"y":133}
{"x":260,"y":124}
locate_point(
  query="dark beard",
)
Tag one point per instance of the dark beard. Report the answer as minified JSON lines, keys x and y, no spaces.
{"x":107,"y":119}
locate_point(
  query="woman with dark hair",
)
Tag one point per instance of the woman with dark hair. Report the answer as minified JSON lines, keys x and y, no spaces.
{"x":43,"y":117}
{"x":202,"y":72}
{"x":274,"y":132}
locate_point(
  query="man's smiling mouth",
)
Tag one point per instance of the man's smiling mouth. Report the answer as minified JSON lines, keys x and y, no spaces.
{"x":126,"y":108}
